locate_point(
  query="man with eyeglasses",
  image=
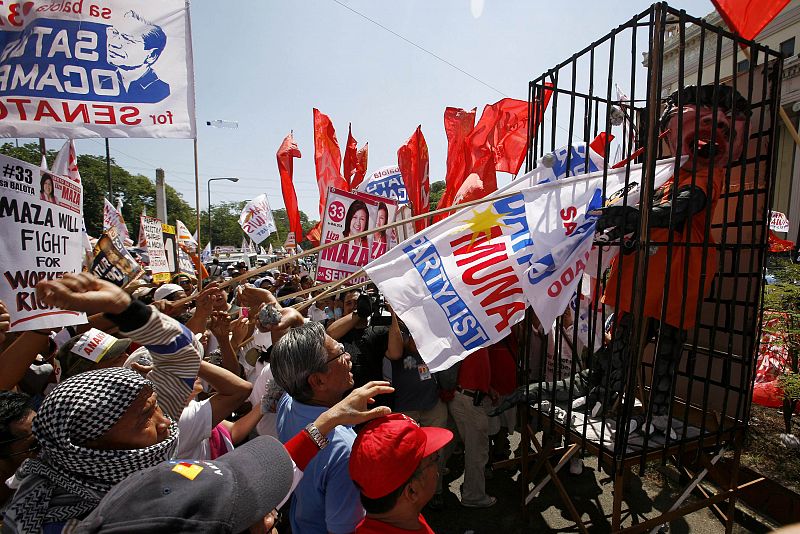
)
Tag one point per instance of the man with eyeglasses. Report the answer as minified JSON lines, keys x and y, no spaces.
{"x":314,"y":370}
{"x":17,"y":442}
{"x":394,"y":464}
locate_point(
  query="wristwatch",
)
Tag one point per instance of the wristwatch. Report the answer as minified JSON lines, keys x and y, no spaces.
{"x":317,"y":436}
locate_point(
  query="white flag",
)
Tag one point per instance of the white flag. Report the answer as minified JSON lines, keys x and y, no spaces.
{"x":270,"y":252}
{"x":244,"y":244}
{"x":262,"y":251}
{"x":113,"y":219}
{"x":562,"y":220}
{"x":185,"y":237}
{"x":205,"y":256}
{"x":66,"y":162}
{"x":256,"y":219}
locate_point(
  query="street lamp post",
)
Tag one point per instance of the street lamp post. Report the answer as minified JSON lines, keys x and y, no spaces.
{"x":230,"y":179}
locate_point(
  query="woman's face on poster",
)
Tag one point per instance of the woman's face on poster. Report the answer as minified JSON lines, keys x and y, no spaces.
{"x":382,"y":218}
{"x":359,"y":222}
{"x":48,"y":186}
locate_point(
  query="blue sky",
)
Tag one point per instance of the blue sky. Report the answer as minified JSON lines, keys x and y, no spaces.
{"x":266,"y":64}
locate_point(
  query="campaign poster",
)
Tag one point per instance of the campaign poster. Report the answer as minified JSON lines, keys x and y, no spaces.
{"x":386,"y":182}
{"x":85,"y":68}
{"x":169,"y":234}
{"x":256,"y":220}
{"x":41,"y":216}
{"x":349,"y":213}
{"x":112,"y":261}
{"x":154,"y":241}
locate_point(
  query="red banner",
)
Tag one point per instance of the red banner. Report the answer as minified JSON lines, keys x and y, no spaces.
{"x":286,"y":154}
{"x":327,"y":158}
{"x":458,"y":124}
{"x":412,"y":158}
{"x":361,"y":166}
{"x":748,"y":17}
{"x":350,"y":157}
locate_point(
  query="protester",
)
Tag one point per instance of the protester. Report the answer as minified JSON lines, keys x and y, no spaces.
{"x":314,"y":370}
{"x":98,"y":427}
{"x":366,"y":344}
{"x":394,"y":465}
{"x":17,"y":442}
{"x":215,"y":269}
{"x":469,"y":409}
{"x":416,"y":391}
{"x":235,"y":493}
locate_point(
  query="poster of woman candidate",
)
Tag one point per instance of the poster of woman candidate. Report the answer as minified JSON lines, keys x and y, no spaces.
{"x":347,"y":214}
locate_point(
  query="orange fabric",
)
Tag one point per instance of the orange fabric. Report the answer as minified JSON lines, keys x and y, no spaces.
{"x":362,"y":156}
{"x":286,"y":154}
{"x":693,"y":233}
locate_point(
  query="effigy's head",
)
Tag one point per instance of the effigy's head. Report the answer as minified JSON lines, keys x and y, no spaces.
{"x":710,"y":121}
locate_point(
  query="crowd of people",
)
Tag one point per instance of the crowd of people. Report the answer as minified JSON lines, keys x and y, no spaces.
{"x":236,"y":407}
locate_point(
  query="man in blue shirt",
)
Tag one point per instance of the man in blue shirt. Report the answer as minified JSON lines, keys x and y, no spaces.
{"x":314,"y":370}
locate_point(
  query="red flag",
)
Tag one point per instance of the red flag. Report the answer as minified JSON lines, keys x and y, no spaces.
{"x":315,"y":234}
{"x":748,"y":17}
{"x":361,"y":166}
{"x":350,"y":157}
{"x":412,"y":158}
{"x":327,"y":158}
{"x":286,"y":154}
{"x":458,"y":124}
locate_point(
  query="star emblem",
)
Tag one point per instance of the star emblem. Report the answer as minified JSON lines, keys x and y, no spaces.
{"x":481,"y":223}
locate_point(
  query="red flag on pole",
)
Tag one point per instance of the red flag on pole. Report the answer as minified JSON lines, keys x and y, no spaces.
{"x":361,"y":166}
{"x":286,"y":154}
{"x":412,"y":158}
{"x":327,"y":158}
{"x":748,"y":17}
{"x":458,"y":124}
{"x":350,"y":157}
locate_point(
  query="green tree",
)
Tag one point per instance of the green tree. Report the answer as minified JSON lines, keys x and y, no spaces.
{"x":225,"y":229}
{"x":135,"y":190}
{"x":437,"y":190}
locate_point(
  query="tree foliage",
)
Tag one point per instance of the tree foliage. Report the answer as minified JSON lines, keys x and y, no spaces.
{"x":437,"y":190}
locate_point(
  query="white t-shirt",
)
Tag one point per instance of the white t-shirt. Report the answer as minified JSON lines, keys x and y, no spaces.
{"x":266,"y":426}
{"x":315,"y":314}
{"x":195,"y":429}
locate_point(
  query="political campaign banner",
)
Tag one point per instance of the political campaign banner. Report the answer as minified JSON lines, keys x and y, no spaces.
{"x":290,"y":241}
{"x":462,"y":283}
{"x":169,"y":234}
{"x":184,"y":236}
{"x":256,"y":220}
{"x":778,"y":222}
{"x":349,"y":213}
{"x":153,"y":236}
{"x":112,"y":218}
{"x":112,"y":261}
{"x":386,"y":182}
{"x":71,"y":69}
{"x":563,"y":215}
{"x":185,"y":263}
{"x":40,"y":239}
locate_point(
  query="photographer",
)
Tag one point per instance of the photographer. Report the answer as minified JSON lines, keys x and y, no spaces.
{"x":365,"y":343}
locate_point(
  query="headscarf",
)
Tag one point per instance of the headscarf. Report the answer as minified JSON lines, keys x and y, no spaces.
{"x":78,"y":410}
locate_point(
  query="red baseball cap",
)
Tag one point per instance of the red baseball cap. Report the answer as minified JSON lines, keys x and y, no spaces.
{"x":389,"y":449}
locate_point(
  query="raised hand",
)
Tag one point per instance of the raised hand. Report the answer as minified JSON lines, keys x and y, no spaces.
{"x":354,"y":409}
{"x":83,"y":292}
{"x":220,"y":325}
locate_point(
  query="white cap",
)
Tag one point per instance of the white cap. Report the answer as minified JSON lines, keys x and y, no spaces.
{"x":166,"y":290}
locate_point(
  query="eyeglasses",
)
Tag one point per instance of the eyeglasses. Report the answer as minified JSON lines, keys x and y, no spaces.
{"x":338,"y":356}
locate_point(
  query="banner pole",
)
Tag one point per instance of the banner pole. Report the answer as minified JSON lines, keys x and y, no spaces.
{"x":108,"y":171}
{"x":197,"y":206}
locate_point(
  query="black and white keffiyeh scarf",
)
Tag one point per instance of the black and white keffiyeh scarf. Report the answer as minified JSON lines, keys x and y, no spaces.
{"x":78,"y":410}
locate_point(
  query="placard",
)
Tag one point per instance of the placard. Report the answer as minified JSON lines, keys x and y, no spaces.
{"x":112,"y":261}
{"x":41,"y":215}
{"x":152,"y":232}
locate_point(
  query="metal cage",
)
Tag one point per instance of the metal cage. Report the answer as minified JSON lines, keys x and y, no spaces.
{"x":712,"y":384}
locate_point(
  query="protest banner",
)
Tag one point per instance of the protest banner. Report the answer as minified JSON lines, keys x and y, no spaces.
{"x":185,"y":263}
{"x":153,"y":234}
{"x":348,"y":213}
{"x":386,"y":182}
{"x":256,"y":220}
{"x":112,"y":261}
{"x":87,"y":69}
{"x":112,"y":218}
{"x":169,"y":234}
{"x":462,"y":283}
{"x":778,"y":222}
{"x":40,"y":239}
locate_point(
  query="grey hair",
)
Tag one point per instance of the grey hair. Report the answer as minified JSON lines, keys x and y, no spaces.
{"x":297,"y":355}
